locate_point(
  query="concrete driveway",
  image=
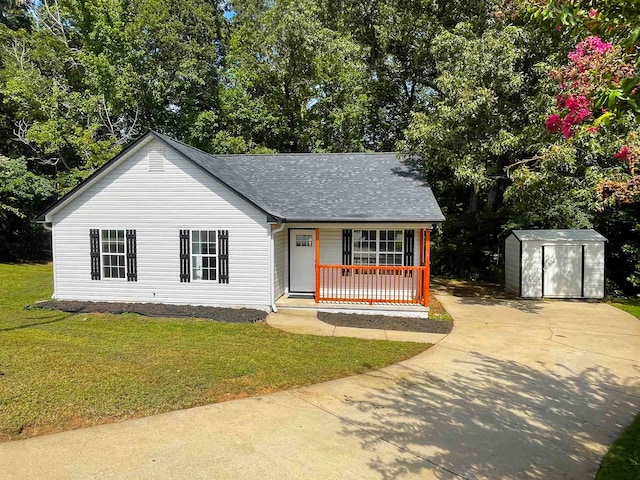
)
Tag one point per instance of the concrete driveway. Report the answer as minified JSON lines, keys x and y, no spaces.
{"x":519,"y":389}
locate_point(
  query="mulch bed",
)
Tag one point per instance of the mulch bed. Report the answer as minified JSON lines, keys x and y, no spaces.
{"x":385,"y":322}
{"x":229,"y":315}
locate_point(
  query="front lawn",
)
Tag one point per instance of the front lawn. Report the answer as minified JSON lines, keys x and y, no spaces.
{"x":60,"y":371}
{"x":622,"y":462}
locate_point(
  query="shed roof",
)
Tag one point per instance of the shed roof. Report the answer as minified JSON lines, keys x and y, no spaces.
{"x":582,"y":235}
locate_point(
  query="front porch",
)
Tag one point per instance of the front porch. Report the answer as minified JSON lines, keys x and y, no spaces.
{"x":381,"y":269}
{"x":300,"y":302}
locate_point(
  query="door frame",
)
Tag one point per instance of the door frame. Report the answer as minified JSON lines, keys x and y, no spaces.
{"x":289,"y":258}
{"x":581,"y":246}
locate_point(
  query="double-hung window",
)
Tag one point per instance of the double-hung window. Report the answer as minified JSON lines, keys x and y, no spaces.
{"x":378,"y":247}
{"x":113,"y":254}
{"x":204,"y":255}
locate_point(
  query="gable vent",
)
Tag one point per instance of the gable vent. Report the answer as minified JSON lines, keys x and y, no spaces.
{"x":156,"y":159}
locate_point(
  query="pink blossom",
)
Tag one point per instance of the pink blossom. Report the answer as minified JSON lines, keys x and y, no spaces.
{"x":575,"y":103}
{"x":566,"y":129}
{"x":589,"y":46}
{"x":553,"y":123}
{"x":593,"y":13}
{"x":581,"y":114}
{"x":623,"y":154}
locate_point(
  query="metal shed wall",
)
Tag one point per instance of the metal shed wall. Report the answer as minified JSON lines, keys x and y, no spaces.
{"x":525,"y":257}
{"x":512,"y":264}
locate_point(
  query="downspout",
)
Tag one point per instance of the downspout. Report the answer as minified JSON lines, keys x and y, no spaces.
{"x":272,"y":236}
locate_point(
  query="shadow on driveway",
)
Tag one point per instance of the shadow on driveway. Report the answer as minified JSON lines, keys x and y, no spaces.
{"x":501,"y":419}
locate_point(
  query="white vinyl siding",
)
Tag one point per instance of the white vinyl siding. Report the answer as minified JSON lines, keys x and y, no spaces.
{"x":158,"y":204}
{"x":279,"y":264}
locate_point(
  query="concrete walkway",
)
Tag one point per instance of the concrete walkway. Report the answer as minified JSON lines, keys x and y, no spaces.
{"x":518,"y":390}
{"x":305,"y":322}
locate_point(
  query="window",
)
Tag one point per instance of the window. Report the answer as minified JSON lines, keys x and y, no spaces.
{"x":199,"y":251}
{"x":203,"y":255}
{"x":304,"y":240}
{"x":378,"y":247}
{"x":113,"y":254}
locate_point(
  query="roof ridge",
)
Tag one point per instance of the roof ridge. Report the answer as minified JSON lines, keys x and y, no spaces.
{"x":270,"y":154}
{"x":297,"y":154}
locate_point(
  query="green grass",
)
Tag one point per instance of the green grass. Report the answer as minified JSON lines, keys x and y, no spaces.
{"x":60,"y":371}
{"x":622,"y":462}
{"x":632,"y":306}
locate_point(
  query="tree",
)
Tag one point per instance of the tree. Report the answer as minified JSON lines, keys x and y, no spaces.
{"x":21,"y":193}
{"x":92,"y":75}
{"x":587,"y":173}
{"x":397,"y":38}
{"x":293,"y":85}
{"x":483,"y":116}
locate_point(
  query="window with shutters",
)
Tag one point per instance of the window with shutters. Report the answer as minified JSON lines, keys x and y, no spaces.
{"x":113,"y":254}
{"x":378,"y":247}
{"x":204,"y":255}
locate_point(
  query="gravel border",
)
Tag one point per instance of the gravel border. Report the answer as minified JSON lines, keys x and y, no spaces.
{"x":229,"y":315}
{"x":385,"y":322}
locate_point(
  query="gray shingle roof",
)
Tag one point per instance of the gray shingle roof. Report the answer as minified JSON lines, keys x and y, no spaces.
{"x":321,"y":187}
{"x":559,"y":235}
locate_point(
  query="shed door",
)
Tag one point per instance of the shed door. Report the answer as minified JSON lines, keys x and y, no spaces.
{"x":562,"y":271}
{"x":302,"y":250}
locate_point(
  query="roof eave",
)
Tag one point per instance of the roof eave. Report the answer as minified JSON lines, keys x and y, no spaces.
{"x":363,"y":220}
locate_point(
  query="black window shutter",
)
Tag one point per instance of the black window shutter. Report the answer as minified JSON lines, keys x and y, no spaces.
{"x":408,"y":247}
{"x":347,"y":235}
{"x":184,"y":256}
{"x":132,"y":257}
{"x":223,"y":256}
{"x":94,"y":242}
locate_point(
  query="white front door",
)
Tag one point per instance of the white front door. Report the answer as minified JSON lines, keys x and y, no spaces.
{"x":562,"y":273}
{"x":302,"y":260}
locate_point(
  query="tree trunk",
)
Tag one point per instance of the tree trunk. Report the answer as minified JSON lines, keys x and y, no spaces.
{"x":474,"y":199}
{"x":492,"y":200}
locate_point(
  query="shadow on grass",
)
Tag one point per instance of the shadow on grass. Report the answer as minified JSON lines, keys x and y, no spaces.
{"x":48,"y":319}
{"x":498,"y":419}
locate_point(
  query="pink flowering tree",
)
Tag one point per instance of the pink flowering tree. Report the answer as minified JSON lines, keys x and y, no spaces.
{"x":613,"y":20}
{"x":595,"y":71}
{"x":600,"y":84}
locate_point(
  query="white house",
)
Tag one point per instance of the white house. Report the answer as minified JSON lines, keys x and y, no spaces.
{"x":165,"y":222}
{"x":555,"y":263}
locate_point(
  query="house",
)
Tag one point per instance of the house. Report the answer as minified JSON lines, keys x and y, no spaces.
{"x":167,"y":223}
{"x":555,"y":263}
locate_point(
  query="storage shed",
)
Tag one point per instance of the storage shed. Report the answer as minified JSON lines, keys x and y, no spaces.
{"x":555,"y":263}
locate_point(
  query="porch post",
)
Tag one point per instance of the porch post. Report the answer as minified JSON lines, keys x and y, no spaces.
{"x":427,"y":266}
{"x":317,"y":265}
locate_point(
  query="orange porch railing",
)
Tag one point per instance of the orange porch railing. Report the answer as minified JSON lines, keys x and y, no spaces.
{"x":372,"y":284}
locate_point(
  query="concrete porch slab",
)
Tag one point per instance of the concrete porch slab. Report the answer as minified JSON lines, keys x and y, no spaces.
{"x":397,"y":310}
